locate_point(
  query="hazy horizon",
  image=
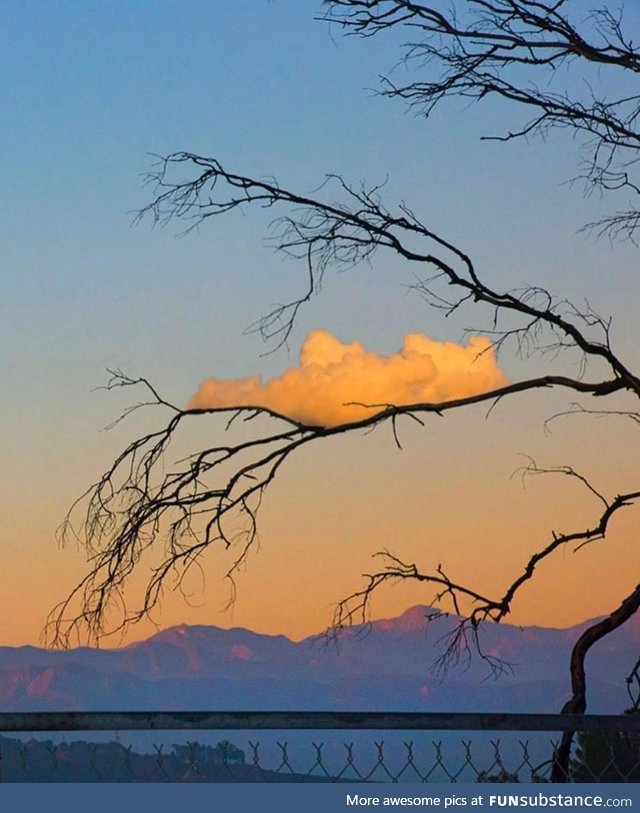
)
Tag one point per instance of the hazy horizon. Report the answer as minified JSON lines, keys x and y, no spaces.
{"x":120,"y":641}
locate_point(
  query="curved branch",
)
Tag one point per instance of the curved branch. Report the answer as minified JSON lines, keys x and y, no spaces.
{"x":477,"y":49}
{"x":577,"y":704}
{"x":492,"y":49}
{"x":133,"y":505}
{"x":327,"y":233}
{"x":355,"y":608}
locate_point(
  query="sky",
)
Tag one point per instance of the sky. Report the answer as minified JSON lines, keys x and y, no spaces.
{"x":91,"y":93}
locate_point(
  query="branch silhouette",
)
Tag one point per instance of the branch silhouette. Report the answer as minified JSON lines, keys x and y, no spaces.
{"x":509,"y":50}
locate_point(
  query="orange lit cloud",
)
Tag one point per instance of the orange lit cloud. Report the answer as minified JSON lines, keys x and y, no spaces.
{"x":332,"y":374}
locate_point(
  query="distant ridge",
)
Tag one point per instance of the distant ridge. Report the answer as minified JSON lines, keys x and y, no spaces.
{"x":386,"y":665}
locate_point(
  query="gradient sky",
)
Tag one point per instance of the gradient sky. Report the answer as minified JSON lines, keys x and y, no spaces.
{"x":90,"y":92}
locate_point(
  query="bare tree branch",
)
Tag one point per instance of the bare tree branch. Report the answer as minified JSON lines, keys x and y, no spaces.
{"x":344,"y":234}
{"x":473,"y":50}
{"x":132,"y":506}
{"x":513,"y":50}
{"x":577,"y":704}
{"x":449,"y":594}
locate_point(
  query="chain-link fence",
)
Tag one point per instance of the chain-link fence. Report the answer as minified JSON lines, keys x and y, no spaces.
{"x":312,"y":747}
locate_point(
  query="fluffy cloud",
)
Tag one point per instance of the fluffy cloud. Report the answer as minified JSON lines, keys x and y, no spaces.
{"x":332,"y":374}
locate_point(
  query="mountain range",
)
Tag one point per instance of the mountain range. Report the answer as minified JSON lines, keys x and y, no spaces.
{"x":386,"y":665}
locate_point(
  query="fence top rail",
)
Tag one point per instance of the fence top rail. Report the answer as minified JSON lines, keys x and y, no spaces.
{"x":337,"y":720}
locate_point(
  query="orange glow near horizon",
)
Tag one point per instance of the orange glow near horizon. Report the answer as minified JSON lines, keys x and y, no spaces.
{"x":447,"y":497}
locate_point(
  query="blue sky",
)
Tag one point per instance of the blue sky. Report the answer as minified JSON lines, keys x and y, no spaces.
{"x":91,"y":91}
